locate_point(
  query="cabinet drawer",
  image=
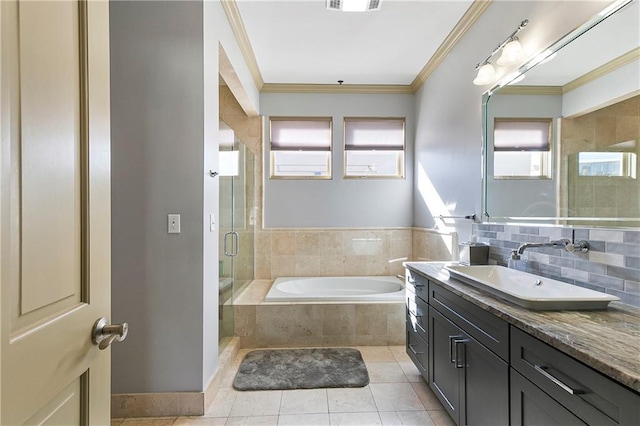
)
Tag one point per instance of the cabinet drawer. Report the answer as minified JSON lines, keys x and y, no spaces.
{"x":531,"y":406}
{"x":417,"y":315}
{"x":417,"y":284}
{"x":591,"y":396}
{"x":418,"y":351}
{"x":483,"y":326}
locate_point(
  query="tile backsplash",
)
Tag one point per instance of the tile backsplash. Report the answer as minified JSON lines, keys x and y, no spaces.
{"x":612,"y":264}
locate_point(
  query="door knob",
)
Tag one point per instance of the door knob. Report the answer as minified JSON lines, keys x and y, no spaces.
{"x":104,"y":333}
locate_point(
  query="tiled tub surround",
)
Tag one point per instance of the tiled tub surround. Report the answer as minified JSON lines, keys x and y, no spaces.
{"x":322,"y":252}
{"x":605,"y":340}
{"x":260,"y":324}
{"x":612,"y":264}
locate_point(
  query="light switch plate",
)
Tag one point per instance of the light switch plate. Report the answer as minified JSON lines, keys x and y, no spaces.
{"x":212,"y":222}
{"x":173,"y":224}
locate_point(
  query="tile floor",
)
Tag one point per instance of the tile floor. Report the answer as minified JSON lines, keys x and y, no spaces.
{"x":396,"y":395}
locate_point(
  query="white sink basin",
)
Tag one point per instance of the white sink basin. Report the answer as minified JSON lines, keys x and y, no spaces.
{"x":528,"y":290}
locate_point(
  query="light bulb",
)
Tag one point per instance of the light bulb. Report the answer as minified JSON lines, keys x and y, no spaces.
{"x":512,"y":53}
{"x":486,"y":75}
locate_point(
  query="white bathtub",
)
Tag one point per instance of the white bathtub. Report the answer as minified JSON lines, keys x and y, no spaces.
{"x":310,"y":289}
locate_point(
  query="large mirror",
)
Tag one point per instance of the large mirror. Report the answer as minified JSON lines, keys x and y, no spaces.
{"x":562,"y":145}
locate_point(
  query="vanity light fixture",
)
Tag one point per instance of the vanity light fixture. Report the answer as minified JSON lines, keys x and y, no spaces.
{"x":486,"y":75}
{"x":512,"y":53}
{"x":354,"y":5}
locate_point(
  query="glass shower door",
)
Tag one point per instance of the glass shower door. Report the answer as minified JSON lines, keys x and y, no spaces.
{"x":236,"y":227}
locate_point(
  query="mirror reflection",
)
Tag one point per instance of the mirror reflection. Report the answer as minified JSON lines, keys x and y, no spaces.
{"x":561,"y":145}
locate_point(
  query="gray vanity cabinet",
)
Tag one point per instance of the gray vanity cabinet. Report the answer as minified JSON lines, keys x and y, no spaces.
{"x":564,"y":388}
{"x":471,"y":381}
{"x":485,"y":371}
{"x":417,"y":312}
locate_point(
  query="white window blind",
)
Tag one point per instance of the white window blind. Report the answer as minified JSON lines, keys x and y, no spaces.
{"x":525,"y":135}
{"x":384,"y":134}
{"x":292,"y":134}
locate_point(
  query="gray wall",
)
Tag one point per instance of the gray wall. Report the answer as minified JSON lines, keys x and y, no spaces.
{"x":523,"y":197}
{"x":157,"y":126}
{"x":338,"y":202}
{"x":448,"y":107}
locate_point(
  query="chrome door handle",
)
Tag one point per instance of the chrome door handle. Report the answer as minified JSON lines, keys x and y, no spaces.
{"x":236,"y":243}
{"x":224,"y":244}
{"x":104,"y":333}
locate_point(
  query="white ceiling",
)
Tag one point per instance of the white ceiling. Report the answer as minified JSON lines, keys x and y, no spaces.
{"x":301,"y":42}
{"x":610,"y":39}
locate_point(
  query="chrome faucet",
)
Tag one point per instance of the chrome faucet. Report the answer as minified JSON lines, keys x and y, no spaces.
{"x":563,"y":244}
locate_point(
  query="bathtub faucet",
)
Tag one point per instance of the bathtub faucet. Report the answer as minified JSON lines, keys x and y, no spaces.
{"x":563,"y":244}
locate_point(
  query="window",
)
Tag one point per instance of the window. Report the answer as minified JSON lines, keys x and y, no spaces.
{"x":609,"y":164}
{"x":300,"y":147}
{"x":522,"y":148}
{"x":374,"y":147}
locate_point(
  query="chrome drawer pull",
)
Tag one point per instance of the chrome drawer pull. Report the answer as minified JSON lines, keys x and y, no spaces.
{"x":453,"y":349}
{"x":543,"y":370}
{"x":456,"y":342}
{"x":414,"y":351}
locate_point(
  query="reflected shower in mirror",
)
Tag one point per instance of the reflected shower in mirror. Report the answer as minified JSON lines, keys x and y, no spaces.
{"x":572,"y":129}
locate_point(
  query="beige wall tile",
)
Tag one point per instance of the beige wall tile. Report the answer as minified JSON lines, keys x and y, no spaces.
{"x":332,"y":266}
{"x":307,"y":243}
{"x":306,"y":320}
{"x":283,"y":242}
{"x":339,"y":320}
{"x":309,"y":266}
{"x":283,"y":266}
{"x":375,"y":340}
{"x":330,"y":341}
{"x":377,"y":265}
{"x":355,"y":265}
{"x":397,"y":339}
{"x":396,"y":319}
{"x":371,"y":320}
{"x":245,"y":320}
{"x":331,"y":243}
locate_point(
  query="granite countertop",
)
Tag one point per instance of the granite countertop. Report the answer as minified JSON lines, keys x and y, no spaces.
{"x":607,"y":340}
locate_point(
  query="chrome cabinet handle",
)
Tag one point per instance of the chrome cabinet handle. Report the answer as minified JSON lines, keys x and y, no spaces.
{"x":452,"y":356}
{"x":104,"y":334}
{"x":456,"y":342}
{"x":543,"y":370}
{"x":414,"y":351}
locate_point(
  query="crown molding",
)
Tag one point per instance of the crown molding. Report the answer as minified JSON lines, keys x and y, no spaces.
{"x":237,"y":26}
{"x":531,"y":90}
{"x":470,"y":17}
{"x":465,"y":23}
{"x":337,"y":88}
{"x":620,"y":61}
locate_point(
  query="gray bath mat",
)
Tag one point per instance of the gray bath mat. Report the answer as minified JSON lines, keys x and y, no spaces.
{"x":281,"y":369}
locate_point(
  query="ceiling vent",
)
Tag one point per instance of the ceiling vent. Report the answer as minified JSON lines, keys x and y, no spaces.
{"x":354,"y":5}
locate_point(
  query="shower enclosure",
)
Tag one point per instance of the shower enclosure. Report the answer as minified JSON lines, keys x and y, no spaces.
{"x":236,"y":226}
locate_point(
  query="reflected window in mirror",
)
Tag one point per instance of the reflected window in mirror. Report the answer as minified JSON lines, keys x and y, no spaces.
{"x":609,"y":164}
{"x":522,"y":148}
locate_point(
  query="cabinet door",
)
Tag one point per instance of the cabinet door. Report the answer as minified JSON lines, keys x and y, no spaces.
{"x":443,"y":374}
{"x":532,"y":407}
{"x":484,"y":392}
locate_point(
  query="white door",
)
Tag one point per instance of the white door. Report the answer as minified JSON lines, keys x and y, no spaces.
{"x":55,"y":211}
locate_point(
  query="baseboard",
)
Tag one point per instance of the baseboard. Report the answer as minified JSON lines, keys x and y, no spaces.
{"x":174,"y":403}
{"x":157,"y":404}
